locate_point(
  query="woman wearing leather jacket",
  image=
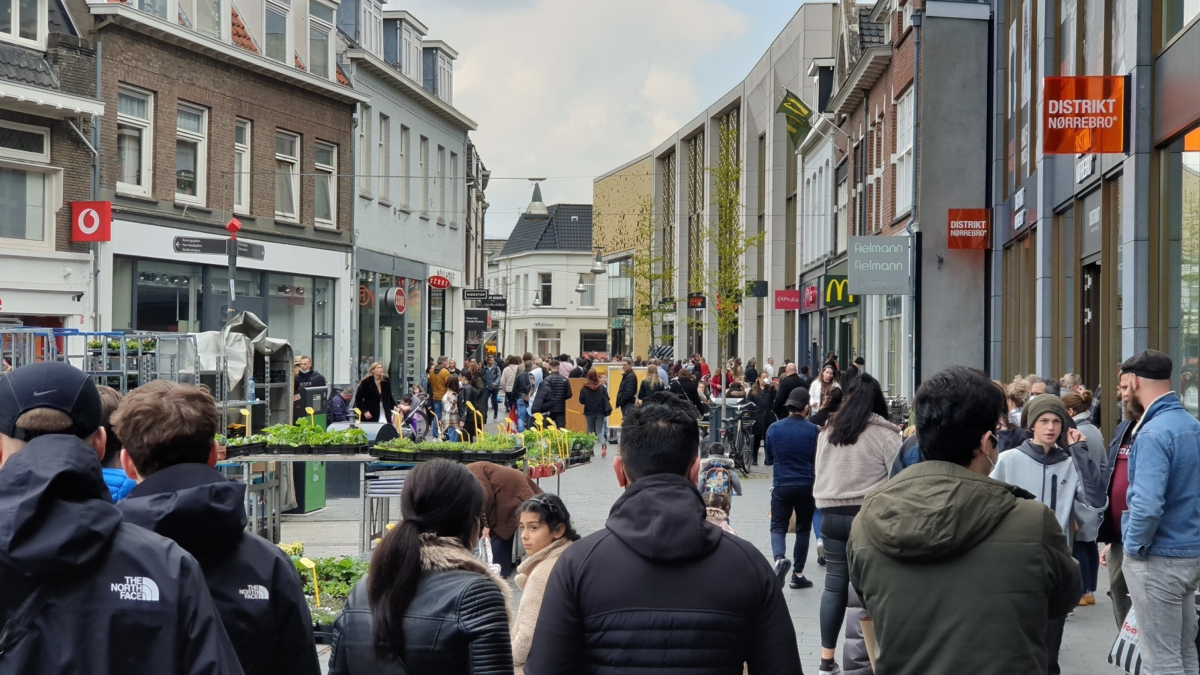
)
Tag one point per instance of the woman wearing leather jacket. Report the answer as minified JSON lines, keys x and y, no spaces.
{"x":428,"y":604}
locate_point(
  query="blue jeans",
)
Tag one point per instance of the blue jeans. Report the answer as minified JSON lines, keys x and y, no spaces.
{"x":437,"y":409}
{"x":451,"y":434}
{"x":817,"y":522}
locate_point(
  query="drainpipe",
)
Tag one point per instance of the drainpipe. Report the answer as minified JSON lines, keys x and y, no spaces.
{"x":355,"y":121}
{"x":96,"y":193}
{"x":914,"y":227}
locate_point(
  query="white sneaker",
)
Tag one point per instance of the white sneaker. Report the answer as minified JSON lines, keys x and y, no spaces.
{"x":820,"y":551}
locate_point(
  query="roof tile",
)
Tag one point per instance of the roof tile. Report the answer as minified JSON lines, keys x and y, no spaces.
{"x":568,"y":227}
{"x":21,"y":65}
{"x":241,"y":36}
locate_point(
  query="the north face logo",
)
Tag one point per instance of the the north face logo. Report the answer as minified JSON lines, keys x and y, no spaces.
{"x":255,"y":592}
{"x":137,"y":588}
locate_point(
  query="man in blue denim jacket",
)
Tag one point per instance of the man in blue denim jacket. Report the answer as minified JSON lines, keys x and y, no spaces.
{"x":1161,"y":528}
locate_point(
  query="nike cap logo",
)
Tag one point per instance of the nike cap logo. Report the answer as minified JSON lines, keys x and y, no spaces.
{"x":43,"y":393}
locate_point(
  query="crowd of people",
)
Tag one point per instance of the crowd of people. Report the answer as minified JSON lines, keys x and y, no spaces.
{"x":962,"y":542}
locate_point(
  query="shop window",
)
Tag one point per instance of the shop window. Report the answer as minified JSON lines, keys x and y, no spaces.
{"x":547,"y":342}
{"x":367,"y":316}
{"x":168,"y":296}
{"x":438,"y":329}
{"x":287,"y":176}
{"x":135,"y":141}
{"x":24,"y":22}
{"x":241,"y":167}
{"x":592,"y":342}
{"x":191,"y":153}
{"x":325,"y":186}
{"x":1181,"y":211}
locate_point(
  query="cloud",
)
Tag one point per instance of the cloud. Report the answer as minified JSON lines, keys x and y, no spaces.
{"x":569,"y":89}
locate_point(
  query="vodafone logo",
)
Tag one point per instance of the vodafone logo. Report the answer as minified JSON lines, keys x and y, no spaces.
{"x":91,"y":221}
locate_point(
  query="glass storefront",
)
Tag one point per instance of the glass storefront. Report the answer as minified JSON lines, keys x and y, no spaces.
{"x":1181,"y":208}
{"x":167,"y":297}
{"x":391,"y":328}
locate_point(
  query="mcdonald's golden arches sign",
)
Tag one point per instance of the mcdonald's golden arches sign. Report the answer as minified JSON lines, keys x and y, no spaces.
{"x":836,"y":289}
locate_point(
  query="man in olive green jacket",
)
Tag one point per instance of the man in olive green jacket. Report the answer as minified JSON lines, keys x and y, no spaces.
{"x":960,"y":573}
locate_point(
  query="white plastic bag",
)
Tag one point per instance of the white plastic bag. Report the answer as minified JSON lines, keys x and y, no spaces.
{"x":1126,"y":655}
{"x":483,"y":551}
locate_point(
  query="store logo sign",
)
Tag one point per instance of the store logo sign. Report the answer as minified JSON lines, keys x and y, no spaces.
{"x":789,"y":301}
{"x":967,"y":229}
{"x":837,"y":294}
{"x":1083,"y":115}
{"x":877,"y":265}
{"x":811,"y":299}
{"x":91,"y":221}
{"x":439,"y":282}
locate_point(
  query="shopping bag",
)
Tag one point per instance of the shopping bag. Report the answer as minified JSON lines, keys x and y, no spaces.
{"x":1126,"y":655}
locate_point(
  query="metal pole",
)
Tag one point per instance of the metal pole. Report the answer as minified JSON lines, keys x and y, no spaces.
{"x":96,"y":194}
{"x":914,"y":227}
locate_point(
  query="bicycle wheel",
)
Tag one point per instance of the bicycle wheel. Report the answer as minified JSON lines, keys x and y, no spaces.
{"x":747,"y":453}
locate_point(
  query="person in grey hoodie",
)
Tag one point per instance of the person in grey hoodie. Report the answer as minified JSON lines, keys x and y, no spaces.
{"x":1054,"y":465}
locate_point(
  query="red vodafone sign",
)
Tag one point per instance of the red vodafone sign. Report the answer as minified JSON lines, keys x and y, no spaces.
{"x":439,"y":282}
{"x":787,"y":300}
{"x":91,"y":221}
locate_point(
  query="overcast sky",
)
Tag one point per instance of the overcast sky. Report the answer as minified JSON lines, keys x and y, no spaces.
{"x":570,"y":89}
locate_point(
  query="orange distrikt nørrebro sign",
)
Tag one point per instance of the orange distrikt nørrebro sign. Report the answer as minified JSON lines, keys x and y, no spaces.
{"x":1083,"y":115}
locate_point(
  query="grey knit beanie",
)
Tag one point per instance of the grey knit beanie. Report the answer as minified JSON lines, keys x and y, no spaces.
{"x":1040,"y":405}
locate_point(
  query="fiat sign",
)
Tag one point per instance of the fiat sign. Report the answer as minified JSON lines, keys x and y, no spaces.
{"x":91,"y":221}
{"x":439,"y":282}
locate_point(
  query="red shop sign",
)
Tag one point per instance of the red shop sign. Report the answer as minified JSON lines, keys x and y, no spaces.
{"x":91,"y":221}
{"x":787,"y":300}
{"x":811,"y":299}
{"x":439,"y":283}
{"x":967,"y":228}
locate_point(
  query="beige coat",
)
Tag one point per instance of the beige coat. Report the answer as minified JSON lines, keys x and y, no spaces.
{"x":532,"y":575}
{"x":846,"y":474}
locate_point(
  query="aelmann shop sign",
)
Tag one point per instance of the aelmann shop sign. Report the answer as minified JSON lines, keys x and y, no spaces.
{"x":967,"y":228}
{"x":1083,"y":115}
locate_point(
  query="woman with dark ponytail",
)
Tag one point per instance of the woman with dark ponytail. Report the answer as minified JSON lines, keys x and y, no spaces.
{"x":546,"y":532}
{"x":428,"y":605}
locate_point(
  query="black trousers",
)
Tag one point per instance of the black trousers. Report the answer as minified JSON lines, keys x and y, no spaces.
{"x":835,"y":530}
{"x":786,"y":500}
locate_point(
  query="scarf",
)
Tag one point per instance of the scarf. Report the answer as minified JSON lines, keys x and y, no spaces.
{"x":551,"y":552}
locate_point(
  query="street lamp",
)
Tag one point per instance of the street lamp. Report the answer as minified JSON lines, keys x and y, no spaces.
{"x":537,"y":298}
{"x":598,"y":264}
{"x":579,"y":287}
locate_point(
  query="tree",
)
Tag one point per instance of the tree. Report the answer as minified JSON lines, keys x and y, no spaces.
{"x":725,"y":284}
{"x":652,"y":272}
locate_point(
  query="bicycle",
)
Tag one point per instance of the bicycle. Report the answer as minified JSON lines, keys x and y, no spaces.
{"x":740,"y":424}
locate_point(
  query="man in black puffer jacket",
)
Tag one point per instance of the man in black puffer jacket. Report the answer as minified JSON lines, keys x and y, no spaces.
{"x":660,"y":588}
{"x":80,"y":591}
{"x":552,"y":395}
{"x":167,"y":430}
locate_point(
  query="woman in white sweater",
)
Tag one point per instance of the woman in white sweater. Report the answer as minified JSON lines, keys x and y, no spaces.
{"x":821,"y":386}
{"x":854,"y":452}
{"x":546,"y":532}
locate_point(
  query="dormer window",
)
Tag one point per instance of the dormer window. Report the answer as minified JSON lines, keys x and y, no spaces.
{"x":24,"y":22}
{"x":278,"y":32}
{"x":320,"y":39}
{"x":438,"y":69}
{"x":372,"y":27}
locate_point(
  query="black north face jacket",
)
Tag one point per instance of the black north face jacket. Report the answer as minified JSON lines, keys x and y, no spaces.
{"x":253,"y":583}
{"x":82,"y":592}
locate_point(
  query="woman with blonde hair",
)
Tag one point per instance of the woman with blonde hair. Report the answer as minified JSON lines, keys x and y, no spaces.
{"x":374,"y":396}
{"x":650,"y":384}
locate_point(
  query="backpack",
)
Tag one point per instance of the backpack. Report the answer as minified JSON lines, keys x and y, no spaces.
{"x":716,"y":479}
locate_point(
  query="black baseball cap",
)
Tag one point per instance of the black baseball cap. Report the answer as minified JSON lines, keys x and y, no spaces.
{"x":797,"y":399}
{"x":1150,"y":364}
{"x":49,"y":384}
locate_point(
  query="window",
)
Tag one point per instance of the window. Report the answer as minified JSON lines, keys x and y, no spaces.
{"x":441,"y":184}
{"x":453,"y":188}
{"x":548,"y":342}
{"x":545,"y":279}
{"x":588,"y":297}
{"x":325,"y":186}
{"x":385,"y":159}
{"x":208,"y":18}
{"x":22,"y":141}
{"x":424,"y":177}
{"x":278,"y":33}
{"x":445,"y":83}
{"x":405,"y":196}
{"x":287,"y":176}
{"x":241,"y":167}
{"x":842,"y":231}
{"x":156,"y":7}
{"x":320,"y":46}
{"x":410,"y":54}
{"x":23,"y":21}
{"x":25,"y":215}
{"x":191,"y":153}
{"x":135,"y":141}
{"x":907,"y":14}
{"x":904,"y":153}
{"x":372,"y":27}
{"x":364,"y":152}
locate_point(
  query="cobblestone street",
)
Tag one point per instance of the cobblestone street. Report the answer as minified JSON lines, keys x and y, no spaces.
{"x":590,"y":490}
